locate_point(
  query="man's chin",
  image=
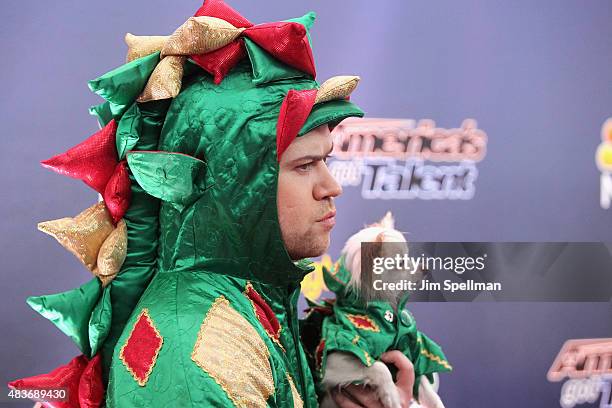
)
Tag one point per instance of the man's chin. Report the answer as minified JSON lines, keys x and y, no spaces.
{"x":313,"y":250}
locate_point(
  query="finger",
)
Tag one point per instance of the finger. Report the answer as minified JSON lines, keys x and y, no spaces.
{"x":405,"y":373}
{"x":342,"y":401}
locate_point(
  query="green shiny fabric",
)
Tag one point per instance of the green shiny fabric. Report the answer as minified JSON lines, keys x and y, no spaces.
{"x":128,"y":131}
{"x":172,"y":177}
{"x":266,"y":68}
{"x":121,"y":86}
{"x":102,"y":113}
{"x":99,"y":322}
{"x":64,"y":310}
{"x":396,"y":330}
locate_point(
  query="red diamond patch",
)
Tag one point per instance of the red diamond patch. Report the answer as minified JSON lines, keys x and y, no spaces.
{"x":140,"y":350}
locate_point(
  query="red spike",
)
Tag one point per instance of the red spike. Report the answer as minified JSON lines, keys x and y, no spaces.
{"x":118,"y":192}
{"x":91,"y":387}
{"x":92,"y":161}
{"x":293,"y":114}
{"x":219,"y":9}
{"x":81,"y":378}
{"x":287,"y":42}
{"x":219,"y":62}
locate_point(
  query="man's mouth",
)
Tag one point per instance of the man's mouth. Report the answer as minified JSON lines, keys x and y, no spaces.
{"x":329,"y":220}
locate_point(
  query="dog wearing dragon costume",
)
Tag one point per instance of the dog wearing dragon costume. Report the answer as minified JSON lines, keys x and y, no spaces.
{"x":345,"y":337}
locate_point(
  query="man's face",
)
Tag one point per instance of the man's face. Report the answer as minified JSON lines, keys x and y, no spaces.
{"x":306,"y":190}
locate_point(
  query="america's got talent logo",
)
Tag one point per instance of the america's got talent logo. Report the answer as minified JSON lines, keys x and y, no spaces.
{"x":603,"y":158}
{"x":403,"y":159}
{"x":587,"y":365}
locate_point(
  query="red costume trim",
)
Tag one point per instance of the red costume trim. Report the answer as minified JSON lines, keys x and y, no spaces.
{"x":293,"y":114}
{"x":264,"y":314}
{"x":319,"y":353}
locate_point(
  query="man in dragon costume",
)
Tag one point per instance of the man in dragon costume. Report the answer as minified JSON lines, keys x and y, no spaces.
{"x":193,"y":300}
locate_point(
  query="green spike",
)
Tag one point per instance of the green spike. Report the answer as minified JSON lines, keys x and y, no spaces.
{"x":100,"y":321}
{"x":173,"y":177}
{"x":121,"y":86}
{"x":128,"y":130}
{"x":266,"y":68}
{"x":307,"y":20}
{"x":70,"y":311}
{"x":102,"y":112}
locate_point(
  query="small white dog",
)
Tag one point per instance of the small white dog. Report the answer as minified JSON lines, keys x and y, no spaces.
{"x":343,"y":368}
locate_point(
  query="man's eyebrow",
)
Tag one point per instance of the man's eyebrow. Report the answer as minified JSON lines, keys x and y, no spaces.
{"x":313,"y":157}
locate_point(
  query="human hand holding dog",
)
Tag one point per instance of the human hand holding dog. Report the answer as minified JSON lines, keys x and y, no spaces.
{"x":358,"y":396}
{"x":405,"y":374}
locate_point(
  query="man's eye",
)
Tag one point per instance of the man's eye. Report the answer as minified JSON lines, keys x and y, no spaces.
{"x":327,"y":157}
{"x":305,"y":166}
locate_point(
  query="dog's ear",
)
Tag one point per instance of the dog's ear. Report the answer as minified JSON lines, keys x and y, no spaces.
{"x":387,"y":221}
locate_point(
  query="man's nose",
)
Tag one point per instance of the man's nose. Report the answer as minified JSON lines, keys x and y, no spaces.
{"x":327,"y":187}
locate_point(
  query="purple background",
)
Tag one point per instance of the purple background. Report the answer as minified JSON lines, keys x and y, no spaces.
{"x":535,"y":75}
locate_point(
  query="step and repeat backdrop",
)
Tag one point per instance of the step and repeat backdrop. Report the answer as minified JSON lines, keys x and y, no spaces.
{"x":486,"y":122}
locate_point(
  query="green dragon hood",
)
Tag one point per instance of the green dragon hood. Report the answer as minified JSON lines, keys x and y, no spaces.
{"x":218,"y":210}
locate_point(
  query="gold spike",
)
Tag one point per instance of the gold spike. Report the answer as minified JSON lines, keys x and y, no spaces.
{"x":165,"y":80}
{"x":112,"y":254}
{"x":82,"y":235}
{"x":143,"y":45}
{"x":199,"y":35}
{"x":338,"y":87}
